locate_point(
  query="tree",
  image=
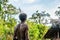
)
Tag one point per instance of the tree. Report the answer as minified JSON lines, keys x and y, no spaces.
{"x":39,"y":16}
{"x":36,"y":31}
{"x":57,"y":13}
{"x":7,"y":21}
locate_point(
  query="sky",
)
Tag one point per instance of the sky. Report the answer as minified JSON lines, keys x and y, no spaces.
{"x":31,"y":6}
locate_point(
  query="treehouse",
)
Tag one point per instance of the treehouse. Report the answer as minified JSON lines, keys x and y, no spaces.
{"x":54,"y":32}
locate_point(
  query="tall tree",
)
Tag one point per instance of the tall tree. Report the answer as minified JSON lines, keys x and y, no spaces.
{"x":39,"y":16}
{"x":57,"y":13}
{"x":7,"y":21}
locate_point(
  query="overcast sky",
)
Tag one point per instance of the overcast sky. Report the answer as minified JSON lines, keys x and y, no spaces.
{"x":30,"y":6}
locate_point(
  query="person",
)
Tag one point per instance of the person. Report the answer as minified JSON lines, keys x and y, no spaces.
{"x":21,"y":30}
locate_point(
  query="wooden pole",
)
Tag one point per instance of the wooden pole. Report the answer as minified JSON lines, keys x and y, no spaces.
{"x":58,"y":34}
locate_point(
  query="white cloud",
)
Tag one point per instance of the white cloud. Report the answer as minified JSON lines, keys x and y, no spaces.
{"x":30,"y":1}
{"x":30,"y":9}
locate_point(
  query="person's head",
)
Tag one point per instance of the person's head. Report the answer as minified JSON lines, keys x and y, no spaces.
{"x":22,"y":17}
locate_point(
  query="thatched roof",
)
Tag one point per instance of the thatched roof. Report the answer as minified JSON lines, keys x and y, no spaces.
{"x":52,"y":32}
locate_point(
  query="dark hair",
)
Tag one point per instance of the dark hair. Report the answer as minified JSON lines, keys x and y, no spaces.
{"x":22,"y":17}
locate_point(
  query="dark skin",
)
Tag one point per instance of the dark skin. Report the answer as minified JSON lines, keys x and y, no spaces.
{"x":21,"y":32}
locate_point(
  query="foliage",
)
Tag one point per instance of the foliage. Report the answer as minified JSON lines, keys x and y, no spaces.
{"x":7,"y":21}
{"x":6,"y":28}
{"x":57,"y":13}
{"x":37,"y":17}
{"x":36,"y":31}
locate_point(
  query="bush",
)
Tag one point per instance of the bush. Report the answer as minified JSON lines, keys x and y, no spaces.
{"x":36,"y":31}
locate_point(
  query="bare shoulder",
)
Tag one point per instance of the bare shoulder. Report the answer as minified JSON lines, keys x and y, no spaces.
{"x":26,"y":26}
